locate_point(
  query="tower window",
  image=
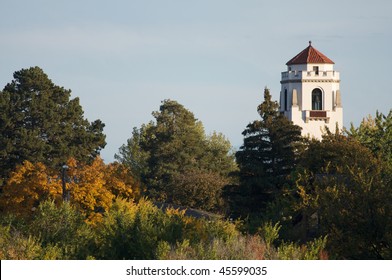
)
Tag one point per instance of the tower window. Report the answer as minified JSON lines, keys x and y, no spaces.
{"x":317,"y":96}
{"x":316,"y":70}
{"x":285,"y":99}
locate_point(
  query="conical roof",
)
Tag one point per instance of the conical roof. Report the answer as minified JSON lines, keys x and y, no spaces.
{"x":309,"y":55}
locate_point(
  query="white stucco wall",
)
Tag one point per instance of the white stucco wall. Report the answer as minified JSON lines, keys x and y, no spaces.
{"x":304,"y":80}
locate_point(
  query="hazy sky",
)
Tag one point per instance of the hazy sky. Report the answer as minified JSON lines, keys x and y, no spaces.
{"x":122,"y":58}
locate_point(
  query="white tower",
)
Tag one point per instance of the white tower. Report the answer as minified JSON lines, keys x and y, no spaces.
{"x":310,"y":95}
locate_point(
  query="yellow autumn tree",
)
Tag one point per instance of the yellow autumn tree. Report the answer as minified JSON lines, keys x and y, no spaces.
{"x":120,"y":182}
{"x":92,"y":187}
{"x":27,"y":186}
{"x":86,"y":184}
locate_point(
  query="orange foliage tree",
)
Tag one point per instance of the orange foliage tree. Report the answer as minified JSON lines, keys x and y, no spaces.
{"x":27,"y":186}
{"x":92,"y":187}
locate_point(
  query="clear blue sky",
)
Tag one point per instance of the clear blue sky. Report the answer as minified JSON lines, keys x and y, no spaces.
{"x":122,"y":58}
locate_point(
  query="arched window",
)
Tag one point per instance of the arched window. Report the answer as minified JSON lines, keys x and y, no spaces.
{"x":317,"y":99}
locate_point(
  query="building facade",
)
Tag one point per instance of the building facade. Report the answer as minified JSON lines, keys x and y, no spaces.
{"x":310,"y":95}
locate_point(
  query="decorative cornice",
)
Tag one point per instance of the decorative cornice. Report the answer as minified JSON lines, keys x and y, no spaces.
{"x":309,"y":81}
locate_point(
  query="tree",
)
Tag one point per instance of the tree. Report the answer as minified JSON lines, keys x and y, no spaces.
{"x":334,"y":151}
{"x":92,"y":187}
{"x":218,"y":155}
{"x":132,"y":155}
{"x":345,"y":193}
{"x":174,"y":146}
{"x":266,"y":159}
{"x":27,"y":186}
{"x":198,"y":189}
{"x":40,"y":123}
{"x":376,"y":135}
{"x":120,"y":182}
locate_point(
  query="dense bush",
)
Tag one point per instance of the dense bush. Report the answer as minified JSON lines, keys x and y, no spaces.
{"x":244,"y":247}
{"x":139,"y":231}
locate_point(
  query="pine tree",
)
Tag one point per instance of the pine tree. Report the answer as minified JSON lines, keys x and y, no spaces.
{"x":40,"y":123}
{"x":266,"y":159}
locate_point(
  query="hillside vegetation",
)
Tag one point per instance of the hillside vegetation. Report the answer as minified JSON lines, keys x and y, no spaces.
{"x":280,"y":196}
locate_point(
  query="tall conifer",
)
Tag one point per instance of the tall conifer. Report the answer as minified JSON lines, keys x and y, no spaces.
{"x":266,"y":158}
{"x":40,"y":123}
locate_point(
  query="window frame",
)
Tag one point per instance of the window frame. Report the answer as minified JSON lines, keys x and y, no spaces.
{"x":317,"y":105}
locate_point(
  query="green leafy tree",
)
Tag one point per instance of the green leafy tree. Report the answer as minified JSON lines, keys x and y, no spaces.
{"x":40,"y":123}
{"x":334,"y":151}
{"x":345,"y":193}
{"x":198,"y":188}
{"x":133,"y":154}
{"x":376,"y":135}
{"x":219,"y":155}
{"x":266,"y":159}
{"x":174,"y":146}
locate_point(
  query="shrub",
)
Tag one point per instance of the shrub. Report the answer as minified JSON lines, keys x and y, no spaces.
{"x":62,"y":228}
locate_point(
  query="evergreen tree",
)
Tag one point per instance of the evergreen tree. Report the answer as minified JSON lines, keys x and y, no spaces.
{"x":176,"y":161}
{"x":40,"y":123}
{"x":266,"y":159}
{"x":175,"y":147}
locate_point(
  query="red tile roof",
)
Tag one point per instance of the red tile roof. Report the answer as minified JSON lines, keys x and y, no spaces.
{"x":309,"y":55}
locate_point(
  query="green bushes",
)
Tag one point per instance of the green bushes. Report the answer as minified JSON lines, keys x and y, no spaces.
{"x":131,"y":231}
{"x":13,"y":245}
{"x":244,"y":247}
{"x":139,"y":231}
{"x":62,"y":227}
{"x":54,"y":232}
{"x":143,"y":231}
